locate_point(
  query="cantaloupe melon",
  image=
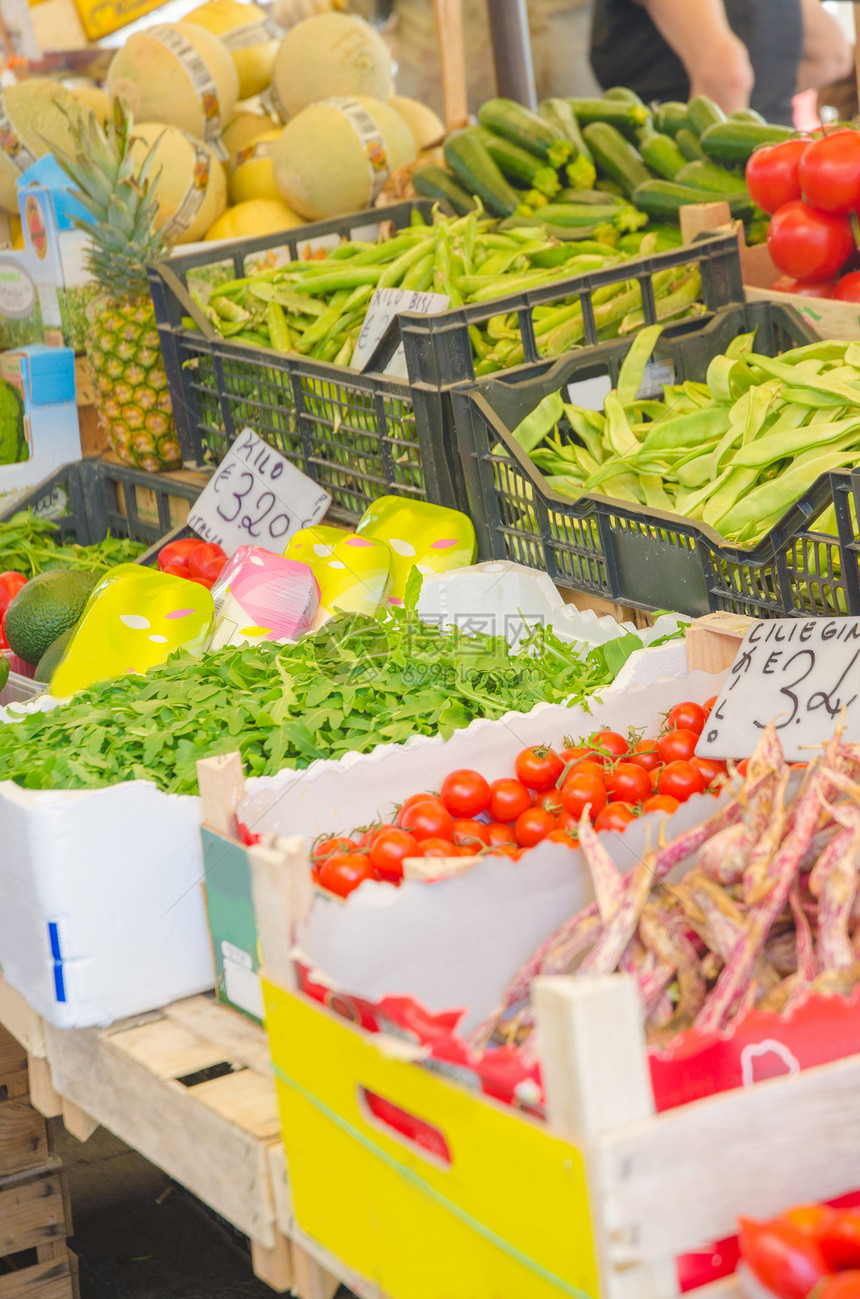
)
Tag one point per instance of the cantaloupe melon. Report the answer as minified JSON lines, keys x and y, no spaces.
{"x":426,"y":126}
{"x":323,"y":166}
{"x":95,"y":98}
{"x":244,"y":127}
{"x":36,"y":110}
{"x":259,"y":216}
{"x":330,"y":54}
{"x":189,"y":187}
{"x":151,"y":76}
{"x":251,"y":171}
{"x":242,"y":29}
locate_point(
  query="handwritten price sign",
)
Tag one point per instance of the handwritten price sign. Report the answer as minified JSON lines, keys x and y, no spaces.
{"x":382,"y":308}
{"x":800,"y":675}
{"x":256,"y":498}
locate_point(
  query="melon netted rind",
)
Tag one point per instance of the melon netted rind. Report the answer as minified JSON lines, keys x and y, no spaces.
{"x":38,"y":110}
{"x":321,"y":167}
{"x":330,"y":54}
{"x":253,"y":62}
{"x":174,"y":167}
{"x":427,"y":127}
{"x":153,"y":84}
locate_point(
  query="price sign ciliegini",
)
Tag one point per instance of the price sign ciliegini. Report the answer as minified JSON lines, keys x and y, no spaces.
{"x":802,"y":675}
{"x":256,"y":498}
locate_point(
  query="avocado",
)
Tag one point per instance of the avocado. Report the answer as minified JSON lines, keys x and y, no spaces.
{"x":4,"y":670}
{"x":50,"y":660}
{"x":44,"y":608}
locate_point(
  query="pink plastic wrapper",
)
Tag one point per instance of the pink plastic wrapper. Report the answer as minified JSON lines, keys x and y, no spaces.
{"x":260,"y":596}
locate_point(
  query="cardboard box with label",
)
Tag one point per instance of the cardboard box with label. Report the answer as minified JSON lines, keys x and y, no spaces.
{"x":38,"y":415}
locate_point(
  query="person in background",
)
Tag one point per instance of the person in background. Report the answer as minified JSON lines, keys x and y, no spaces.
{"x":559,"y":33}
{"x":740,"y":53}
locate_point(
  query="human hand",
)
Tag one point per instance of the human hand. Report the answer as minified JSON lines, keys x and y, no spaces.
{"x":723,"y":72}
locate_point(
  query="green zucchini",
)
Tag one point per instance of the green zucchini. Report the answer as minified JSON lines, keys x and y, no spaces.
{"x":478,"y":173}
{"x":747,"y":115}
{"x":688,"y":142}
{"x":625,"y":95}
{"x":578,"y":214}
{"x":595,"y":196}
{"x":518,"y":165}
{"x":505,"y":118}
{"x":581,"y":171}
{"x":606,"y":186}
{"x":671,"y":117}
{"x":737,"y":141}
{"x":703,"y":113}
{"x":661,"y":154}
{"x":663,"y":200}
{"x":667,"y":237}
{"x":434,"y":182}
{"x":711,"y":178}
{"x":619,"y":113}
{"x":616,"y":156}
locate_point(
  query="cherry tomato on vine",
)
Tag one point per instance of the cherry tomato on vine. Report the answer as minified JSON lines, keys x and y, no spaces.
{"x":327,"y":847}
{"x":627,"y":783}
{"x":563,"y":836}
{"x":498,"y":833}
{"x":538,"y":767}
{"x":838,"y":1234}
{"x":829,"y":172}
{"x":615,"y":816}
{"x":532,"y":826}
{"x":743,"y":767}
{"x":709,"y":703}
{"x":608,"y":744}
{"x":773,"y":174}
{"x":686,"y":717}
{"x":388,"y":850}
{"x":677,"y":746}
{"x":712,"y":770}
{"x":343,"y":872}
{"x":806,"y":288}
{"x":574,"y":752}
{"x":427,"y":820}
{"x":586,"y":767}
{"x":660,"y":803}
{"x":583,"y":791}
{"x":551,"y":802}
{"x":436,"y":846}
{"x":508,"y":799}
{"x":471,"y":834}
{"x":645,"y":755}
{"x":412,"y":800}
{"x":782,"y":1257}
{"x":844,"y":1285}
{"x":465,"y":792}
{"x":811,"y":1219}
{"x":809,"y":244}
{"x":680,"y":780}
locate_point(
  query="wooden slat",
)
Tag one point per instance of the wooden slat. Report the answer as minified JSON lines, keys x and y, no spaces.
{"x":42,"y":1093}
{"x":52,"y":1280}
{"x":167,"y":1050}
{"x":32,"y":1212}
{"x":238,"y":1039}
{"x":23,"y":1136}
{"x":714,"y":640}
{"x":215,"y":1159}
{"x":753,"y":1151}
{"x":274,"y":1266}
{"x":245,"y":1099}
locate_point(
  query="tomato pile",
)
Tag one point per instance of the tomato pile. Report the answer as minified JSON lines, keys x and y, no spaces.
{"x":616,"y":779}
{"x":10,"y":585}
{"x":189,"y":557}
{"x":811,"y":1250}
{"x":811,"y":188}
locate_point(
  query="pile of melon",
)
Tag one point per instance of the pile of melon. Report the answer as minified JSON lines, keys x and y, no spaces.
{"x":256,"y":131}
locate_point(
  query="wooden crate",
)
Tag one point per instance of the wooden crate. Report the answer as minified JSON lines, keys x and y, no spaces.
{"x":23,"y":1131}
{"x":35,"y":1262}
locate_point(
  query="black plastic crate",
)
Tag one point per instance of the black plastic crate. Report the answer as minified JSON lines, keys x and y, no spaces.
{"x":364,"y":435}
{"x":647,"y":558}
{"x":83,"y":502}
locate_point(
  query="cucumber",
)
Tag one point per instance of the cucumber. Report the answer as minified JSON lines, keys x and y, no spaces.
{"x":616,"y":156}
{"x":688,"y":142}
{"x":478,"y":173}
{"x":619,"y":113}
{"x":671,"y":117}
{"x":434,"y":182}
{"x":711,"y":178}
{"x":625,"y":95}
{"x":703,"y":113}
{"x":513,"y":122}
{"x":737,"y":141}
{"x":663,"y":200}
{"x":518,"y":165}
{"x":747,"y":115}
{"x":661,"y":154}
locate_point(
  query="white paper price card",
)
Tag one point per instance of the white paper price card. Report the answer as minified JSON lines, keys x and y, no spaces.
{"x":256,"y":498}
{"x":799,"y":674}
{"x":382,"y":308}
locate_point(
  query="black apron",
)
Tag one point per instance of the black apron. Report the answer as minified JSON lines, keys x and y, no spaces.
{"x":627,"y":50}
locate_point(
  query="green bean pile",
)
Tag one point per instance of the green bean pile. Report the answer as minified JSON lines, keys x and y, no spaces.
{"x":735,"y":452}
{"x":317,"y":308}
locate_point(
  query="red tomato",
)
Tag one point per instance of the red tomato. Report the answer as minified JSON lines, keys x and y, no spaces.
{"x":809,"y":244}
{"x":471,"y":834}
{"x":497,"y":834}
{"x":628,"y":783}
{"x":10,"y":584}
{"x":538,"y":767}
{"x":343,"y":872}
{"x":608,"y":744}
{"x":508,"y":799}
{"x":580,"y":792}
{"x":586,"y":767}
{"x":616,"y":816}
{"x":743,"y":767}
{"x":848,"y":288}
{"x":805,"y":288}
{"x":709,"y":703}
{"x":412,"y":799}
{"x":845,"y":1285}
{"x":711,"y":768}
{"x":680,"y":780}
{"x":388,"y":850}
{"x":677,"y":746}
{"x":551,"y":802}
{"x":427,"y":819}
{"x":437,"y":847}
{"x":686,"y":717}
{"x":327,"y":847}
{"x":563,"y":836}
{"x":205,"y":562}
{"x":660,"y":803}
{"x":645,"y":755}
{"x":532,"y":826}
{"x":574,"y":752}
{"x":772,"y":174}
{"x":839,"y":1237}
{"x":830,"y":173}
{"x":173,"y":558}
{"x":465,"y":792}
{"x":782,"y":1257}
{"x":811,"y":1219}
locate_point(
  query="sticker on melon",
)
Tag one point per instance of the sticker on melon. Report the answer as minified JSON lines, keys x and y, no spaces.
{"x":372,"y":143}
{"x":189,"y":188}
{"x":431,"y":538}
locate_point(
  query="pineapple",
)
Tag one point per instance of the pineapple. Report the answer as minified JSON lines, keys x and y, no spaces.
{"x":122,"y":344}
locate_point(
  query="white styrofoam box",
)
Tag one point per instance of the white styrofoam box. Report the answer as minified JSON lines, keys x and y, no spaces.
{"x":500,"y":598}
{"x":117,"y":872}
